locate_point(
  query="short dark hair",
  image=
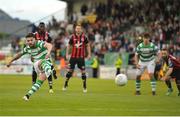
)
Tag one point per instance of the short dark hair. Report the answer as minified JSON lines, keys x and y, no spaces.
{"x":30,"y":35}
{"x":42,"y":23}
{"x":146,"y":35}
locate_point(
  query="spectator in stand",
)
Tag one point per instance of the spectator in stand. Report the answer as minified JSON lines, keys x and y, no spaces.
{"x":95,"y":66}
{"x":118,"y":64}
{"x":160,"y":18}
{"x":84,"y":9}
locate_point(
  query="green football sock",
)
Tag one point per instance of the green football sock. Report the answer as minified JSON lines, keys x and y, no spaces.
{"x":153,"y":84}
{"x":35,"y":87}
{"x":138,"y":85}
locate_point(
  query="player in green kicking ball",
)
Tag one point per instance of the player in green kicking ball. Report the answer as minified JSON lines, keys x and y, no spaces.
{"x":40,"y":53}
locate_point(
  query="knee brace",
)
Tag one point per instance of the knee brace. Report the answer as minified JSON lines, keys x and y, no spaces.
{"x":83,"y":76}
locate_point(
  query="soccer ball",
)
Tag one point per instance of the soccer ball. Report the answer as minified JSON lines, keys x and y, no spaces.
{"x":121,"y":79}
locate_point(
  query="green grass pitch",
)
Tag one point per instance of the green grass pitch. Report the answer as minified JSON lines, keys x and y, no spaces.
{"x":103,"y":98}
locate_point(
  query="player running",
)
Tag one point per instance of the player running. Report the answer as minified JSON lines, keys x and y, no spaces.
{"x":145,"y":58}
{"x":40,"y":53}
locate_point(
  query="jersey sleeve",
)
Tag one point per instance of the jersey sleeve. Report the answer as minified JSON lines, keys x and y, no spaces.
{"x":71,"y":40}
{"x":137,"y":50}
{"x":24,"y":51}
{"x":41,"y":44}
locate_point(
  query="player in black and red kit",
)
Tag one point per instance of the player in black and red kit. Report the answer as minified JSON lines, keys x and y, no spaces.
{"x":43,"y":35}
{"x":172,"y":72}
{"x":79,"y":44}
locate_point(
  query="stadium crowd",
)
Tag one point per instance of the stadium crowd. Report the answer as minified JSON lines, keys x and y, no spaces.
{"x":119,"y":26}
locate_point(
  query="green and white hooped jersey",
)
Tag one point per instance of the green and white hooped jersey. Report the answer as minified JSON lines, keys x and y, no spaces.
{"x":37,"y":53}
{"x":146,"y":52}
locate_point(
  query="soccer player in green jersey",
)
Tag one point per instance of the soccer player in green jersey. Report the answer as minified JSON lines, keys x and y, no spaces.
{"x":145,"y":56}
{"x":42,"y":35}
{"x":40,"y":53}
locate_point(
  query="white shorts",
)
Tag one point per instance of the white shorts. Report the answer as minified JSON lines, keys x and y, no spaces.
{"x":150,"y":65}
{"x":37,"y":67}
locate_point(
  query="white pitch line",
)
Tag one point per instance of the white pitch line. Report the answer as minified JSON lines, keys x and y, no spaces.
{"x":96,"y":109}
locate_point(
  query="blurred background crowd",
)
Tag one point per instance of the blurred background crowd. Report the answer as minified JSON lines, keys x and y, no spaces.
{"x":118,"y":27}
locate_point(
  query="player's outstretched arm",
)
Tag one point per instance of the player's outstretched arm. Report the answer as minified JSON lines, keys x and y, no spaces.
{"x":17,"y":56}
{"x":170,"y":70}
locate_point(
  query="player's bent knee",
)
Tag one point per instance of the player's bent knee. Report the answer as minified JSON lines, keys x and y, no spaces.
{"x":42,"y":76}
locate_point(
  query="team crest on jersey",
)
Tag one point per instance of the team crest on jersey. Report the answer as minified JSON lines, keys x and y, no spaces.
{"x":78,"y":44}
